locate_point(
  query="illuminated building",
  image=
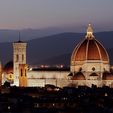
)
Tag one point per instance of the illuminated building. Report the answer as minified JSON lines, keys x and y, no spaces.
{"x":89,"y":65}
{"x":19,"y":57}
{"x":90,"y":62}
{"x":7,"y":75}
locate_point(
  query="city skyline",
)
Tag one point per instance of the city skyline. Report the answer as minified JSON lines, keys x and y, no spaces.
{"x":56,"y":56}
{"x":63,"y":14}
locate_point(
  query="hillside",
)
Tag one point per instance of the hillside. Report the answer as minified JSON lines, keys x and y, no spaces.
{"x":54,"y":49}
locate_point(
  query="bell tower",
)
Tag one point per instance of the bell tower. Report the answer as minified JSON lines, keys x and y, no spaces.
{"x":19,"y":57}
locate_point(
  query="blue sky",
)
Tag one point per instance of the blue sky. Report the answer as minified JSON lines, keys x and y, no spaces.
{"x":20,"y":14}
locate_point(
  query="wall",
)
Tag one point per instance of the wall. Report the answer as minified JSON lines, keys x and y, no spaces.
{"x":48,"y":74}
{"x":62,"y":83}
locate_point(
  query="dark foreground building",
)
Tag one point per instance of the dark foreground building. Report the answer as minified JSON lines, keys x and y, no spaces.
{"x":55,"y":100}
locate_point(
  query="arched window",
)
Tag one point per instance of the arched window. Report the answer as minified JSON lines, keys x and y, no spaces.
{"x":21,"y":73}
{"x":93,"y":68}
{"x":17,"y":58}
{"x":25,"y":72}
{"x":22,"y":57}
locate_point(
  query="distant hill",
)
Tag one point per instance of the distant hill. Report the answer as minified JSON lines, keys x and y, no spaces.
{"x":7,"y":35}
{"x":55,"y":49}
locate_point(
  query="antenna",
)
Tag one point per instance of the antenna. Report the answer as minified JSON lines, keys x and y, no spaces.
{"x":19,"y":36}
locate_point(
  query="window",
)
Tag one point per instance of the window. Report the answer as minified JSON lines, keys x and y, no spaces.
{"x":21,"y":73}
{"x":17,"y":58}
{"x":93,"y":68}
{"x":22,"y":57}
{"x":25,"y":72}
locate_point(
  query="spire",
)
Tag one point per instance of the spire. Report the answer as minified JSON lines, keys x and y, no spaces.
{"x":89,"y":34}
{"x":19,"y":37}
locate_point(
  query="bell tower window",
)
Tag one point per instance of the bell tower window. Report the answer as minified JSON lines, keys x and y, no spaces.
{"x":22,"y":57}
{"x":17,"y":58}
{"x":21,"y":72}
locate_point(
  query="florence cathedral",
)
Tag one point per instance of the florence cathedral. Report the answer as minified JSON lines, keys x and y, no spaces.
{"x":89,"y":65}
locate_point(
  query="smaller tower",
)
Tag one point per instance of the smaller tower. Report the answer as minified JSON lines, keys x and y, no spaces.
{"x":19,"y":57}
{"x":22,"y":75}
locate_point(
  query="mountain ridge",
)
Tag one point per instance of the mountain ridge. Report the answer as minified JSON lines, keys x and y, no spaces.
{"x":42,"y":50}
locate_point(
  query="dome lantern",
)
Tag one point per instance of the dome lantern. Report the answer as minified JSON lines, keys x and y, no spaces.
{"x":89,"y":34}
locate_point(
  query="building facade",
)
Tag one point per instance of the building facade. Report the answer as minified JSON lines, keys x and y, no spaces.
{"x":19,"y":57}
{"x":90,"y":62}
{"x":89,"y":65}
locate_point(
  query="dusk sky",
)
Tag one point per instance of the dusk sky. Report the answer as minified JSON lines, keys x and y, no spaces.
{"x":20,"y":14}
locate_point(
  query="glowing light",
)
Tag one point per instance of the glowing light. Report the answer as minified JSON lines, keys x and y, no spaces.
{"x":30,"y":69}
{"x":42,"y":66}
{"x":61,"y":66}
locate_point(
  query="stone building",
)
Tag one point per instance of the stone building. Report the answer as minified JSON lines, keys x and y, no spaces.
{"x":19,"y":57}
{"x":90,"y":62}
{"x":89,"y":65}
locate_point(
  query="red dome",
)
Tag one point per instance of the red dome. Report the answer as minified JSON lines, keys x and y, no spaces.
{"x":78,"y":76}
{"x":89,"y":49}
{"x":8,"y":68}
{"x":107,"y":76}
